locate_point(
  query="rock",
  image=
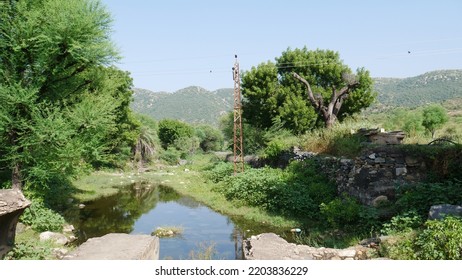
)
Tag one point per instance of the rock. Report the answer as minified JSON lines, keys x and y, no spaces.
{"x":411,"y":161}
{"x":12,"y":205}
{"x":379,"y":200}
{"x":20,"y":227}
{"x":438,"y":212}
{"x":60,"y":252}
{"x":57,"y":238}
{"x":372,"y":156}
{"x":269,"y":246}
{"x":81,"y":205}
{"x":68,"y":228}
{"x":401,"y":171}
{"x":117,"y":246}
{"x":370,"y":242}
{"x":347,"y":253}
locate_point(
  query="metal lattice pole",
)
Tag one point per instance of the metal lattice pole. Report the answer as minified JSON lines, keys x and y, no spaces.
{"x":238,"y":135}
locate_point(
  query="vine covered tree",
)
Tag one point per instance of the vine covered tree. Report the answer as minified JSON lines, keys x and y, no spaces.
{"x":61,"y":106}
{"x":303,"y":89}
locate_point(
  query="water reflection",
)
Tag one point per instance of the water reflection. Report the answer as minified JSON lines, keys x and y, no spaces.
{"x":141,"y":208}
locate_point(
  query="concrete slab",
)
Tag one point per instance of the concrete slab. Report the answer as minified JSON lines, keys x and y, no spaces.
{"x":117,"y":246}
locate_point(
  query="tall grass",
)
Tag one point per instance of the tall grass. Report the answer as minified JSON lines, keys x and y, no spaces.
{"x":340,"y":140}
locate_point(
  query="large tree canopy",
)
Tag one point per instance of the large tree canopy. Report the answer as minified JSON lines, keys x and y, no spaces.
{"x":62,"y":108}
{"x":304,"y":89}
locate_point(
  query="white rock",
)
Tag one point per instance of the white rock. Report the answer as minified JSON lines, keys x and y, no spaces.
{"x":57,"y":238}
{"x":347,"y":253}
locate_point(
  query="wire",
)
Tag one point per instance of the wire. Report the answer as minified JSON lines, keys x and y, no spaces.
{"x":285,"y":65}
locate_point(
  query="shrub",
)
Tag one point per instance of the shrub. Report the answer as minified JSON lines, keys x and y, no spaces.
{"x":441,"y":240}
{"x":420,"y":197}
{"x":42,"y":219}
{"x":346,"y":213}
{"x":256,"y":187}
{"x":220,"y":172}
{"x":402,"y":223}
{"x":170,"y":156}
{"x":32,"y":250}
{"x":171,"y":130}
{"x":211,"y":139}
{"x":295,"y":192}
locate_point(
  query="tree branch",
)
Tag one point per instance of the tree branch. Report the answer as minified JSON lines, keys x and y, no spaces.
{"x":317,"y":102}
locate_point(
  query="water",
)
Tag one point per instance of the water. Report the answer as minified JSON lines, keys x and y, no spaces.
{"x":140,"y":209}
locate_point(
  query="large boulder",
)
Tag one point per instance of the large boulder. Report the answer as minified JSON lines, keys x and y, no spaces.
{"x":438,"y":212}
{"x":12,"y":205}
{"x":117,"y":246}
{"x":269,"y":246}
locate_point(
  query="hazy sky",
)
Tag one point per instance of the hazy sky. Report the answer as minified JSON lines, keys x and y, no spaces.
{"x":171,"y":44}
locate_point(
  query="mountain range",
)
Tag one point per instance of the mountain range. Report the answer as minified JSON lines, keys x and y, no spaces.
{"x":198,"y":105}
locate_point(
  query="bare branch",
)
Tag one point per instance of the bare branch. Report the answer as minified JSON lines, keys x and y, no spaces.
{"x":317,"y":102}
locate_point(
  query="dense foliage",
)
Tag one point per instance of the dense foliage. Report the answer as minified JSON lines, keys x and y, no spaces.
{"x":62,"y":109}
{"x":173,"y":130}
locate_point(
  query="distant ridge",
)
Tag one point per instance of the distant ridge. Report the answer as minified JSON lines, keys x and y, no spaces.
{"x":431,"y":87}
{"x":198,"y":105}
{"x":192,"y":104}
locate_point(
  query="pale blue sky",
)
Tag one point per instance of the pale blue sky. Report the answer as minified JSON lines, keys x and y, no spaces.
{"x":171,"y":44}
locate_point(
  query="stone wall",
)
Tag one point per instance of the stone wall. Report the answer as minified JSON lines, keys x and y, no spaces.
{"x":373,"y":176}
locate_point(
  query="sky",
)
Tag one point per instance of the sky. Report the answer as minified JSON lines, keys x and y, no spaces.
{"x":168,"y":45}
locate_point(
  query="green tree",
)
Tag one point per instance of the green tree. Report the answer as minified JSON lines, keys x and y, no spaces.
{"x":172,"y":130}
{"x":55,"y":118}
{"x":304,"y":89}
{"x":434,"y":117}
{"x":211,"y":139}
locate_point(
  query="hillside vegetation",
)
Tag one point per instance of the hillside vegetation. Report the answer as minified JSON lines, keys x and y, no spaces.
{"x":431,"y":87}
{"x":198,"y":105}
{"x":192,"y":104}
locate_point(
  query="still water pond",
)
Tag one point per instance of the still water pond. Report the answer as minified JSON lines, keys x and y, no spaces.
{"x":140,"y":209}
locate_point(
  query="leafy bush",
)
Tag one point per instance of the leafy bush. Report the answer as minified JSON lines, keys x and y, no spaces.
{"x":341,"y":211}
{"x":256,"y":187}
{"x":29,"y":251}
{"x":441,"y":240}
{"x":41,"y":218}
{"x":420,"y":197}
{"x":220,"y":172}
{"x":347,"y":213}
{"x":402,"y":223}
{"x":170,"y":156}
{"x":211,"y":139}
{"x":295,"y":192}
{"x":171,"y":130}
{"x":438,"y":240}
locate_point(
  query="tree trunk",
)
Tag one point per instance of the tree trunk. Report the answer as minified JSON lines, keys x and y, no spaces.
{"x":16,"y":178}
{"x":329,"y":113}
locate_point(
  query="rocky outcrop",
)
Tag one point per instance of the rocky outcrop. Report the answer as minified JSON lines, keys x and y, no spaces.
{"x":12,"y":205}
{"x":269,"y":246}
{"x":117,"y":246}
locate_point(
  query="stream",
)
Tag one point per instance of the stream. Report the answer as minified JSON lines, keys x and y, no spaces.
{"x":141,"y":208}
